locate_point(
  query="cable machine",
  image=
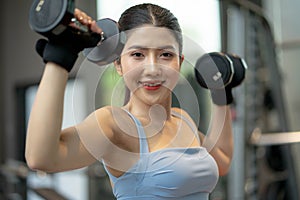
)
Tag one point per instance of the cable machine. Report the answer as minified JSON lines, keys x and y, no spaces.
{"x":259,"y":170}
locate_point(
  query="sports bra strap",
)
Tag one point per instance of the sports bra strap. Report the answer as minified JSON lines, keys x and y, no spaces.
{"x":142,"y":136}
{"x":143,"y":139}
{"x":189,"y":123}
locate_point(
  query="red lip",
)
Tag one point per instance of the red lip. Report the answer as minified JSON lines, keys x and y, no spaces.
{"x":151,"y":87}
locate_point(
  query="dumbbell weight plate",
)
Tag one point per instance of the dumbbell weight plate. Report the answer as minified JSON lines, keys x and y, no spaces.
{"x":111,"y":47}
{"x":214,"y":70}
{"x":240,"y":67}
{"x":49,"y":17}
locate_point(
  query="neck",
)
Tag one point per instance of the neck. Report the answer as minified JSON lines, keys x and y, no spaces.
{"x":152,"y":116}
{"x":150,"y":111}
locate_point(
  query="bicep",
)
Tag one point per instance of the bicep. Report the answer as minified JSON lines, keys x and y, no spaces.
{"x":72,"y":154}
{"x":83,"y":144}
{"x":95,"y":133}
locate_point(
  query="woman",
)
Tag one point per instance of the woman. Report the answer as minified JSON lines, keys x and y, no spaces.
{"x":149,"y":149}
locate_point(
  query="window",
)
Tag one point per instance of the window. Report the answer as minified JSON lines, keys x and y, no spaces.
{"x":71,"y":184}
{"x":199,"y":20}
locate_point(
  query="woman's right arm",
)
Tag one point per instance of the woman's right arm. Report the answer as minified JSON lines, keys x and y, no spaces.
{"x":48,"y":148}
{"x":45,"y":120}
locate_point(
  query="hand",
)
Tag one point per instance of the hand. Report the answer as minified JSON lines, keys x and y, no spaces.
{"x":86,"y":20}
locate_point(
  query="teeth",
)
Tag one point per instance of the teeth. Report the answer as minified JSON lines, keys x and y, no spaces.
{"x":151,"y":84}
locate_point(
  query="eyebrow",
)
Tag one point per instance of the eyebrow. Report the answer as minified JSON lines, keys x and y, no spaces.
{"x":147,"y":47}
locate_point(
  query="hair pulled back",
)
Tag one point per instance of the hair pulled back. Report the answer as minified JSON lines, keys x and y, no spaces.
{"x":152,"y":14}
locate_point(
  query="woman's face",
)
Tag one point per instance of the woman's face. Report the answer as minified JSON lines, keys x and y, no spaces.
{"x":150,"y":63}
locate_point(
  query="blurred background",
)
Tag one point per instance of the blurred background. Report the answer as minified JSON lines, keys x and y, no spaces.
{"x":266,"y":33}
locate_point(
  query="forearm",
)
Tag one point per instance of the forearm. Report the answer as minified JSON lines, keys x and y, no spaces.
{"x":44,"y":127}
{"x":219,"y":140}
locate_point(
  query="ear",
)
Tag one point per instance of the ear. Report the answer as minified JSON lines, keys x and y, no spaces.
{"x":118,"y":67}
{"x":181,"y":59}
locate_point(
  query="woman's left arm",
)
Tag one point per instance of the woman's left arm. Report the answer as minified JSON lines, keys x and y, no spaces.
{"x":219,"y":140}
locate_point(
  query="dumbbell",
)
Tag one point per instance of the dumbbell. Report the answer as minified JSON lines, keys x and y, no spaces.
{"x":52,"y":18}
{"x":219,"y":71}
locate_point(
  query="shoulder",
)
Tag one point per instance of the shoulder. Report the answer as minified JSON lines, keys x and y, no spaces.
{"x":99,"y":122}
{"x":111,"y":116}
{"x":102,"y":129}
{"x":116,"y":121}
{"x":108,"y":117}
{"x":182,"y":112}
{"x":109,"y":111}
{"x":104,"y":114}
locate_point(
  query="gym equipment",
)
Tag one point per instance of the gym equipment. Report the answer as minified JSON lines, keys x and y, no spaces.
{"x":52,"y":18}
{"x":218,"y":70}
{"x":110,"y":48}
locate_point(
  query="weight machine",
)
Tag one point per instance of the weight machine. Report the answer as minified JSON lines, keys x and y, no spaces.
{"x":263,"y":165}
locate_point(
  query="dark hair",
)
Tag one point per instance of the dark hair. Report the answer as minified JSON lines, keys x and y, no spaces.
{"x":155,"y":15}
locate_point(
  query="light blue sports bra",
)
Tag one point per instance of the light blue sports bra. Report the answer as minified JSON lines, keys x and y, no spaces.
{"x":170,"y":173}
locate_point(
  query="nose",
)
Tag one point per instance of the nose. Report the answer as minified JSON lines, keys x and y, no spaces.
{"x":152,"y":67}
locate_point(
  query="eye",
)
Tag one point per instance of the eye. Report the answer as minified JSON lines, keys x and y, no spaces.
{"x":167,"y":55}
{"x":137,"y":54}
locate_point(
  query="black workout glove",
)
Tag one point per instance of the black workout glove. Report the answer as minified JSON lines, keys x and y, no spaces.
{"x":58,"y":53}
{"x":222,"y":96}
{"x":220,"y":73}
{"x":64,"y":48}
